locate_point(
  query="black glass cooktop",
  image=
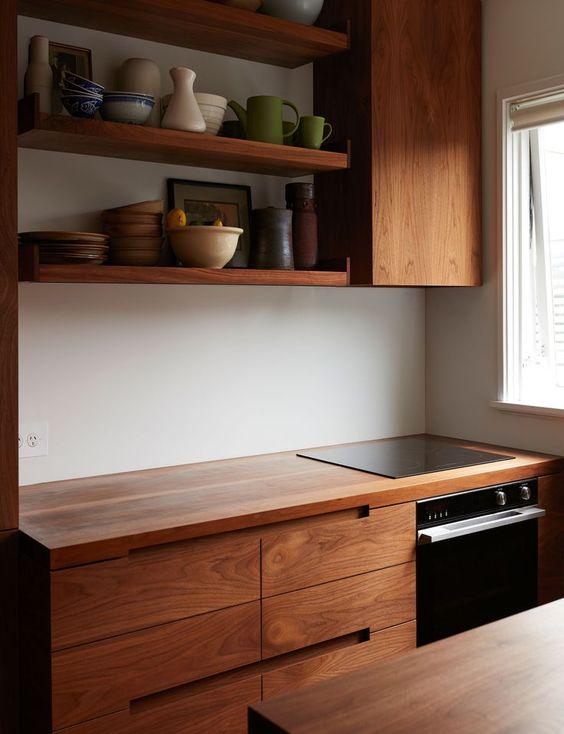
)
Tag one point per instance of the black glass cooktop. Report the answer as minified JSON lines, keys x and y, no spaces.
{"x":403,"y":457}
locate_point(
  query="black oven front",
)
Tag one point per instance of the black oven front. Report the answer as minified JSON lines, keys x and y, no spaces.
{"x":477,"y":555}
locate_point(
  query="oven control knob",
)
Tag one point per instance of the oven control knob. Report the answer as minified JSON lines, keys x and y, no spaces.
{"x":525,"y":492}
{"x":500,"y":498}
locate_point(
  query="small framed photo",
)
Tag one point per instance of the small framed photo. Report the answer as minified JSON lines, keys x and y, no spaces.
{"x":205,"y":202}
{"x":71,"y":58}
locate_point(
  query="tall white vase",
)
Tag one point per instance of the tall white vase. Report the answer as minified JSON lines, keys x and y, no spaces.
{"x":39,"y":75}
{"x":183,"y":112}
{"x":144,"y":77}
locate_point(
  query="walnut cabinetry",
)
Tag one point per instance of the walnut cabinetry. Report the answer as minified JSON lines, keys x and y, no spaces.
{"x":407,"y":95}
{"x":182,"y":637}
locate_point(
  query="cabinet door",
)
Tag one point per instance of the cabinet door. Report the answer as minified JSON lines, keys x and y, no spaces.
{"x":310,"y":555}
{"x":153,"y":586}
{"x":551,"y":539}
{"x":370,"y":601}
{"x":381,"y":645}
{"x":102,"y":677}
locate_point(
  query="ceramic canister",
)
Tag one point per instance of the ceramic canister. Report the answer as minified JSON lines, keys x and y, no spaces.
{"x":142,"y":76}
{"x":300,"y":198}
{"x":39,"y":75}
{"x":272,"y":239}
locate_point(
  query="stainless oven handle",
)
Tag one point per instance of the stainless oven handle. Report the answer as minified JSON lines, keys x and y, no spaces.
{"x":478,"y":524}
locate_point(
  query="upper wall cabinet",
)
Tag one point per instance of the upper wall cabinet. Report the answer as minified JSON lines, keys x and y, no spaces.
{"x":408,"y":212}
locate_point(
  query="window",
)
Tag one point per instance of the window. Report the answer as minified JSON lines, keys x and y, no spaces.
{"x":533,"y":250}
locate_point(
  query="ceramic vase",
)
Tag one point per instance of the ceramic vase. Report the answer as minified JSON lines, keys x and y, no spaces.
{"x":142,"y":76}
{"x":183,"y":112}
{"x":39,"y":75}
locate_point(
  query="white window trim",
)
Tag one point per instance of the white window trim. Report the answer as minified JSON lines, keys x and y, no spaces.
{"x":504,"y":227}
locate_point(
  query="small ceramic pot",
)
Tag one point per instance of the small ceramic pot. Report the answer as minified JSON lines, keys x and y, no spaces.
{"x":131,"y":109}
{"x":300,"y":198}
{"x":144,"y":76}
{"x":299,"y":11}
{"x":271,"y":247}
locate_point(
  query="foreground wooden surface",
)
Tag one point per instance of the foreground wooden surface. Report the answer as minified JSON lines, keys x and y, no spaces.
{"x":505,"y":677}
{"x":85,"y":520}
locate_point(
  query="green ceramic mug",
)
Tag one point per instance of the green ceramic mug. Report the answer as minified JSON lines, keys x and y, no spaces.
{"x":311,"y":132}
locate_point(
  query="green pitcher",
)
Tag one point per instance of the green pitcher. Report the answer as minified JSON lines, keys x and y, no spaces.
{"x":262,"y":120}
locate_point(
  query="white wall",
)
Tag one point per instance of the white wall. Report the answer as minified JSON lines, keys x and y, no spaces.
{"x":522,"y":43}
{"x":130,"y":377}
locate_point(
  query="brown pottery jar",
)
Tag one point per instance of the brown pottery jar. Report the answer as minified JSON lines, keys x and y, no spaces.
{"x":300,"y":198}
{"x":272,"y":239}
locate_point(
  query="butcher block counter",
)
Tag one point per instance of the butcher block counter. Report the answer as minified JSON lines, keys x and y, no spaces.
{"x":170,"y":600}
{"x":505,"y":677}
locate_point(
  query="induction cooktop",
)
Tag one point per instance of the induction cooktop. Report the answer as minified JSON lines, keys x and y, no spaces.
{"x":403,"y":457}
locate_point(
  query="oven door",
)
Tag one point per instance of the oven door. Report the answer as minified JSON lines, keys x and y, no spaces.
{"x":478,"y":576}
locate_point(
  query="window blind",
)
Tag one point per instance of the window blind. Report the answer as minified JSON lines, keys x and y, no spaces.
{"x":530,"y":113}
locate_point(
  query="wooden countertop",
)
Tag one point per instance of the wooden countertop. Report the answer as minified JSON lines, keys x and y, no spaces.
{"x":505,"y":677}
{"x":86,"y":520}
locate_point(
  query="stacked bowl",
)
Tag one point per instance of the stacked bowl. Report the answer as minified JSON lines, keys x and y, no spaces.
{"x":80,"y":96}
{"x":136,"y":233}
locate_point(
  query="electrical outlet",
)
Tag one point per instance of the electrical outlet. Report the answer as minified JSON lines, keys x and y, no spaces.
{"x":33,"y":440}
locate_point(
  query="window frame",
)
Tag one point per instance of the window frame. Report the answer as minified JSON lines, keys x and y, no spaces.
{"x":507,"y":260}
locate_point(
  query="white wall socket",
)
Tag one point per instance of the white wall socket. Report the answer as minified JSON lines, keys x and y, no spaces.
{"x":33,"y":440}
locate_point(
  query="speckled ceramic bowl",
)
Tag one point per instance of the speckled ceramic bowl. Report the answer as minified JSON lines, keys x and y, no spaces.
{"x":204,"y":247}
{"x":127,"y":107}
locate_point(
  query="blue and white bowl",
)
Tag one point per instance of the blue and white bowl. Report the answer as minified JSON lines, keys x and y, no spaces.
{"x":81,"y":105}
{"x":74,"y":81}
{"x":127,"y":107}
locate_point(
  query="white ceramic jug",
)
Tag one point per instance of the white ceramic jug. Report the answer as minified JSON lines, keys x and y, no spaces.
{"x":39,"y":75}
{"x":183,"y":112}
{"x":142,"y":76}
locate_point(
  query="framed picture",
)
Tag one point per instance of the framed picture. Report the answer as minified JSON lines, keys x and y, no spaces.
{"x":205,"y":202}
{"x":72,"y":58}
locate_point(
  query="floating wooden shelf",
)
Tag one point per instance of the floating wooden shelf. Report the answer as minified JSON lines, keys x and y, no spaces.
{"x":113,"y":140}
{"x":198,"y":24}
{"x":181,"y":276}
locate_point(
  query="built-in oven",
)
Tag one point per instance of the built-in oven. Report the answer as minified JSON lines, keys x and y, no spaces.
{"x":477,"y":557}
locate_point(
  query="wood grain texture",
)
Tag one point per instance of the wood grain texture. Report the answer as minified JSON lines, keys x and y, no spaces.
{"x":304,"y":557}
{"x":551,"y":539}
{"x":9,"y":632}
{"x":370,"y":601}
{"x":115,"y":274}
{"x":153,"y":586}
{"x":8,"y":272}
{"x":409,"y":211}
{"x":504,"y":677}
{"x":221,"y":709}
{"x":156,"y":145}
{"x":196,"y":24}
{"x":103,"y":677}
{"x":84,"y":520}
{"x":384,"y":644}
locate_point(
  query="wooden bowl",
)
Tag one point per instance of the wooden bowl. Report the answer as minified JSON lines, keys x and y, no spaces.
{"x":134,"y":257}
{"x":141,"y":207}
{"x":134,"y":230}
{"x":137,"y":243}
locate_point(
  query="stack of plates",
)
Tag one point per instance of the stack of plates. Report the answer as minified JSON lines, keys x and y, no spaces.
{"x":69,"y":248}
{"x":136,"y":233}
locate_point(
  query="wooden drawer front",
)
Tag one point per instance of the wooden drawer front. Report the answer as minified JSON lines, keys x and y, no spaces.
{"x":104,"y":677}
{"x":222,"y":710}
{"x":153,"y":586}
{"x":370,"y":601}
{"x":384,"y":644}
{"x":307,"y":556}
